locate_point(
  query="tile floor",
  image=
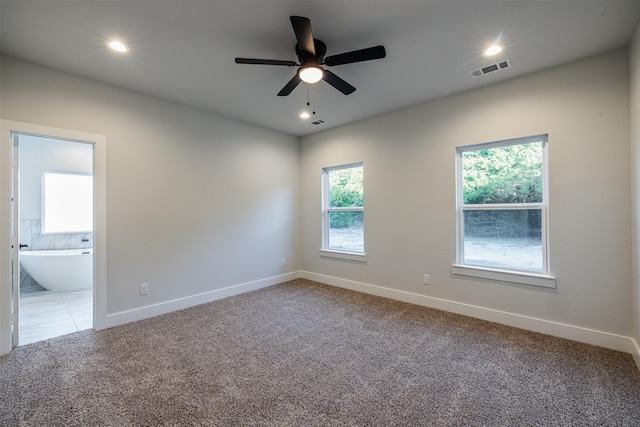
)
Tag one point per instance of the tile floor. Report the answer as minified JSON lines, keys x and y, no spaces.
{"x":48,"y":314}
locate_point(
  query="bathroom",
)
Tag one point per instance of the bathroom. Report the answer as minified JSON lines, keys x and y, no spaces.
{"x":55,"y":237}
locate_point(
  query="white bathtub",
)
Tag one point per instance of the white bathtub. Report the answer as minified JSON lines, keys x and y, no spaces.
{"x":62,"y":270}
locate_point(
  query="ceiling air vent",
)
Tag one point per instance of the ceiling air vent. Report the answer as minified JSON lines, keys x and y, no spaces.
{"x":491,"y":68}
{"x":315,"y":123}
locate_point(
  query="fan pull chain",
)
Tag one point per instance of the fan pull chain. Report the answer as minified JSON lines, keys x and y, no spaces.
{"x":311,"y":104}
{"x":311,"y":100}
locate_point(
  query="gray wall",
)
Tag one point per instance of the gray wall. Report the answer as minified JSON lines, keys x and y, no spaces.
{"x":409,"y":175}
{"x":196,"y":202}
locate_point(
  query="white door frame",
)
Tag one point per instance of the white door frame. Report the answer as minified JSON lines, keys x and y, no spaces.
{"x":7,"y":127}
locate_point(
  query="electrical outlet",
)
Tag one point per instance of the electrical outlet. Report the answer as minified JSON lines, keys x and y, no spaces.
{"x":427,"y":279}
{"x":283,"y":262}
{"x":144,"y":289}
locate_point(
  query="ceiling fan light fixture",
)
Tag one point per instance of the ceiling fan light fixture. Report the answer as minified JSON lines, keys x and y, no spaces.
{"x":311,"y":73}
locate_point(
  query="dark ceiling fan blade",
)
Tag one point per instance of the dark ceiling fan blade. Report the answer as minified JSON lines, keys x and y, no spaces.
{"x":367,"y":54}
{"x":302,"y":28}
{"x":338,"y":83}
{"x":286,"y":90}
{"x":265,"y":62}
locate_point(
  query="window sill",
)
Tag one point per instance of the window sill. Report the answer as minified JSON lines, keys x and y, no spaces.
{"x":520,"y":277}
{"x":349,"y":256}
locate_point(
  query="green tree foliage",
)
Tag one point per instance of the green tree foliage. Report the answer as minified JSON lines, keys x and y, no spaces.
{"x":511,"y":174}
{"x":346,"y":190}
{"x":503,"y":175}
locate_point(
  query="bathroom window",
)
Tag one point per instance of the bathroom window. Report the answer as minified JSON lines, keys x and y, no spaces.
{"x":67,"y":202}
{"x":343,"y":212}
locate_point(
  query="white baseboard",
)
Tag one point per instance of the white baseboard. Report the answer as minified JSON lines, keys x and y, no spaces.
{"x":635,"y":351}
{"x":190,"y":301}
{"x":574,"y":333}
{"x":570,"y":332}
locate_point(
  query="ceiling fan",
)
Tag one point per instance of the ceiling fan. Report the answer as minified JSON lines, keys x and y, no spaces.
{"x":311,"y":53}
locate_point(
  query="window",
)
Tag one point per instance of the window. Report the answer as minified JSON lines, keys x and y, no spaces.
{"x":343,"y":212}
{"x":67,"y":202}
{"x":502,"y":211}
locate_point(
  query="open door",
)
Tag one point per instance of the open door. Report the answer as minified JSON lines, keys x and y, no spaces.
{"x":15,"y":242}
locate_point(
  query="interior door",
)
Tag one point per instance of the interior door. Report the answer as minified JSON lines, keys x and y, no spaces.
{"x":15,"y":242}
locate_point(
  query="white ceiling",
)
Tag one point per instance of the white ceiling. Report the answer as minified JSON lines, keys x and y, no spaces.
{"x":184,"y":50}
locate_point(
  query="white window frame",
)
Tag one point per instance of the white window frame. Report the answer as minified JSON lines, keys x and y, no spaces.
{"x":543,"y":278}
{"x":325,"y":251}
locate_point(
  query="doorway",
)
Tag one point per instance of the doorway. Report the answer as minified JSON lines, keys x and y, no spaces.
{"x":55,"y":221}
{"x":9,"y":251}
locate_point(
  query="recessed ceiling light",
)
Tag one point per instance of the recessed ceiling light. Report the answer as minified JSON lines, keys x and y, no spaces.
{"x":493,"y":50}
{"x":118,"y":46}
{"x":304,"y":115}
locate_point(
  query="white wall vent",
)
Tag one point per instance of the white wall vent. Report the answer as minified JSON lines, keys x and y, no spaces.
{"x":491,"y":68}
{"x":315,"y":123}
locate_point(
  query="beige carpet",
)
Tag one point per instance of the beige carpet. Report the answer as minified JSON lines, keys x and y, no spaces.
{"x":306,"y":354}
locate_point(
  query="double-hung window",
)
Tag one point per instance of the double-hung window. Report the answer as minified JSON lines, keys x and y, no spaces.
{"x":343,"y":212}
{"x":502,"y":203}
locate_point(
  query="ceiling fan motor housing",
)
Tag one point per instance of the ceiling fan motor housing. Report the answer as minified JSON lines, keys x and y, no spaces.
{"x":307,"y":58}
